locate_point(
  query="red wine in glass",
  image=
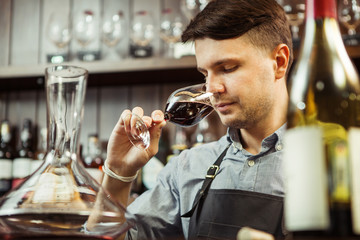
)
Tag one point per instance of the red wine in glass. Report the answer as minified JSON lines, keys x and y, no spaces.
{"x":188,"y":106}
{"x":187,"y":113}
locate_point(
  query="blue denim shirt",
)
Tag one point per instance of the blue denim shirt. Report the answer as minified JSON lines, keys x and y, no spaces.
{"x":158,"y":210}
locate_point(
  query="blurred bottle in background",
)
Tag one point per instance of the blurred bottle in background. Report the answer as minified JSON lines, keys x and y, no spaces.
{"x":6,"y":158}
{"x":93,"y":160}
{"x":24,"y":155}
{"x":40,"y":151}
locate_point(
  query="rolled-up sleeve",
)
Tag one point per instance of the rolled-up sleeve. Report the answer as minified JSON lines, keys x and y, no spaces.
{"x":156,"y":211}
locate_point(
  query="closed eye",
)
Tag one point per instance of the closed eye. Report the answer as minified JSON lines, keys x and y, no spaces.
{"x":230,"y":69}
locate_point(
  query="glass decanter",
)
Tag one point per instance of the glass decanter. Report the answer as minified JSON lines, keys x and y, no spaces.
{"x":60,"y":200}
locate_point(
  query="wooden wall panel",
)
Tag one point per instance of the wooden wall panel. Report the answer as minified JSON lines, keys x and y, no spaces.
{"x":5,"y":22}
{"x":113,"y":101}
{"x":24,"y":47}
{"x":145,"y":96}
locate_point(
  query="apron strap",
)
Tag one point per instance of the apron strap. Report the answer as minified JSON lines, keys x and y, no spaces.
{"x":210,"y":175}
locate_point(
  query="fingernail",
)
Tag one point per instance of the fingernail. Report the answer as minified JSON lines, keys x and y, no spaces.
{"x":157,"y":117}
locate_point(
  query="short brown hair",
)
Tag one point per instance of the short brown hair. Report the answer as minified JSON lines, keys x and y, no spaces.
{"x":264,"y":22}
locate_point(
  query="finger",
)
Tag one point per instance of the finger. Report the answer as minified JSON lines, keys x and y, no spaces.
{"x":147,"y":120}
{"x":123,"y":115}
{"x":138,"y":111}
{"x":157,"y":116}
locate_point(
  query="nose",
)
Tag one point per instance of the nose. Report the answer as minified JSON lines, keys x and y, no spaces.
{"x":214,"y":85}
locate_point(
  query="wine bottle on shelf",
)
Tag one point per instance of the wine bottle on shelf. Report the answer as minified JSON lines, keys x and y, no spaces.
{"x":93,"y":160}
{"x":40,"y":151}
{"x":24,"y":156}
{"x":6,"y":158}
{"x":321,"y":156}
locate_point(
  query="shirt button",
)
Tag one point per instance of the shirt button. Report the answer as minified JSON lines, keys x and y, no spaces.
{"x":279,"y":147}
{"x":251,"y":163}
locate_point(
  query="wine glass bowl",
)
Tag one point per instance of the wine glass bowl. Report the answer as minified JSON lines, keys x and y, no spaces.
{"x":113,"y":28}
{"x":189,"y":105}
{"x":136,"y":130}
{"x":142,"y":31}
{"x":59,"y":30}
{"x":85,"y":28}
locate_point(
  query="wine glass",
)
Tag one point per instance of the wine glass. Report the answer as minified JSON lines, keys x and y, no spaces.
{"x":349,"y":16}
{"x":295,"y":13}
{"x":171,"y":28}
{"x":137,"y":131}
{"x":113,"y":28}
{"x":185,"y":107}
{"x":142,"y":34}
{"x":59,"y":33}
{"x":85,"y":31}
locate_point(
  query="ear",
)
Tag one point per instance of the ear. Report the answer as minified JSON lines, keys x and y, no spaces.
{"x":281,"y":56}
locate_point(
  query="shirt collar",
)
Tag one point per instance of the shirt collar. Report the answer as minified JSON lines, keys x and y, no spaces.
{"x":275,"y":139}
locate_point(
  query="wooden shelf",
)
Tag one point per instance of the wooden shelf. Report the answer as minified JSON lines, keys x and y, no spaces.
{"x":105,"y":73}
{"x":125,"y":65}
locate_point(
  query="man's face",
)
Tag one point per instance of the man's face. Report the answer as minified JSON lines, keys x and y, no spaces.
{"x":241,"y":77}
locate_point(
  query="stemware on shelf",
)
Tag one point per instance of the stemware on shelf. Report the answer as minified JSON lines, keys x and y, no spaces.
{"x":113,"y":29}
{"x":142,"y":34}
{"x":85,"y":32}
{"x":171,"y":27}
{"x":349,"y":16}
{"x":58,"y":31}
{"x":60,"y":200}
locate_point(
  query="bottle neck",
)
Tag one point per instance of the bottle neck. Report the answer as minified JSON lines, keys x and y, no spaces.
{"x":320,"y":9}
{"x":321,"y":28}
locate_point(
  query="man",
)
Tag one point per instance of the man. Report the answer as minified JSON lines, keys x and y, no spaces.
{"x":244,"y":50}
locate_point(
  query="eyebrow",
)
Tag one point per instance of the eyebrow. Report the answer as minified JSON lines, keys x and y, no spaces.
{"x":218,"y":63}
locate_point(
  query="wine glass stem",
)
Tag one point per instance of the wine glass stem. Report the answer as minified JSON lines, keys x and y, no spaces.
{"x":170,"y":53}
